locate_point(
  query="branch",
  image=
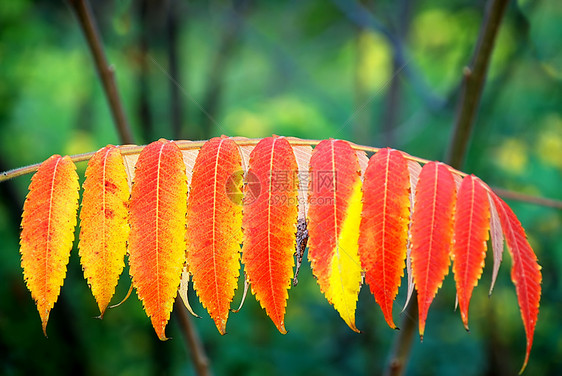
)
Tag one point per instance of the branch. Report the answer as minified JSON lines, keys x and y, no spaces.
{"x":468,"y":104}
{"x":516,"y":196}
{"x":200,"y":360}
{"x":403,"y":343}
{"x":191,"y":145}
{"x":474,"y":79}
{"x":106,"y":74}
{"x":105,"y":71}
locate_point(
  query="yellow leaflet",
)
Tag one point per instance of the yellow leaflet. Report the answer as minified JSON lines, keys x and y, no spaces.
{"x":104,"y":229}
{"x":345,"y":278}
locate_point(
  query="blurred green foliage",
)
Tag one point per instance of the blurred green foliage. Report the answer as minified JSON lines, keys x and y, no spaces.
{"x":297,"y":69}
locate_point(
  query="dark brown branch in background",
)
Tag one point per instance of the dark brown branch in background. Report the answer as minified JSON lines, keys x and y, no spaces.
{"x":85,"y":16}
{"x":196,"y":350}
{"x":516,"y":196}
{"x":200,"y":360}
{"x":400,"y":353}
{"x":105,"y":71}
{"x":474,"y":79}
{"x":468,"y":104}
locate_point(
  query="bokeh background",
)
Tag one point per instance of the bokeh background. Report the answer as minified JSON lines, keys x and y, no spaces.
{"x":387,"y":75}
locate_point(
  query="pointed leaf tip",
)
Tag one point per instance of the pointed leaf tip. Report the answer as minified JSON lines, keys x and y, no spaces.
{"x":334,"y":217}
{"x":432,"y":233}
{"x":269,"y":223}
{"x":525,"y":271}
{"x":104,"y":227}
{"x":214,"y":221}
{"x":157,"y":239}
{"x":383,"y":233}
{"x":471,"y":225}
{"x":47,"y":234}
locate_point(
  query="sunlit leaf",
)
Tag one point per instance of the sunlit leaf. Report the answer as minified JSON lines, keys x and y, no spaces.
{"x":269,"y":223}
{"x":214,"y":219}
{"x":334,"y":218}
{"x":383,"y":234}
{"x":104,"y":227}
{"x":47,"y":231}
{"x":157,"y":240}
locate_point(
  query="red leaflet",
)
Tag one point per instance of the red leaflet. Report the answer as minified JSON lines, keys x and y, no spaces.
{"x":157,"y":239}
{"x":47,"y":231}
{"x":214,"y":220}
{"x":104,"y":228}
{"x":334,"y":216}
{"x":525,"y":272}
{"x":269,"y":222}
{"x":432,"y":233}
{"x":472,"y":222}
{"x":383,"y":234}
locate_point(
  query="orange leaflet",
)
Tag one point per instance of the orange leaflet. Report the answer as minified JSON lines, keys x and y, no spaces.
{"x":431,"y":233}
{"x":525,"y":272}
{"x":383,"y":234}
{"x":270,"y":216}
{"x":157,"y":240}
{"x":214,"y":220}
{"x":104,"y":228}
{"x":48,"y":222}
{"x":334,"y":216}
{"x":472,"y":222}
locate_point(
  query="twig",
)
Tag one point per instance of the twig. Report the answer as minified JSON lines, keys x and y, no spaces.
{"x":190,"y":145}
{"x":106,"y":75}
{"x":468,"y":102}
{"x":105,"y":71}
{"x":516,"y":196}
{"x":474,"y":79}
{"x":403,"y":343}
{"x":200,"y":360}
{"x":199,"y":357}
